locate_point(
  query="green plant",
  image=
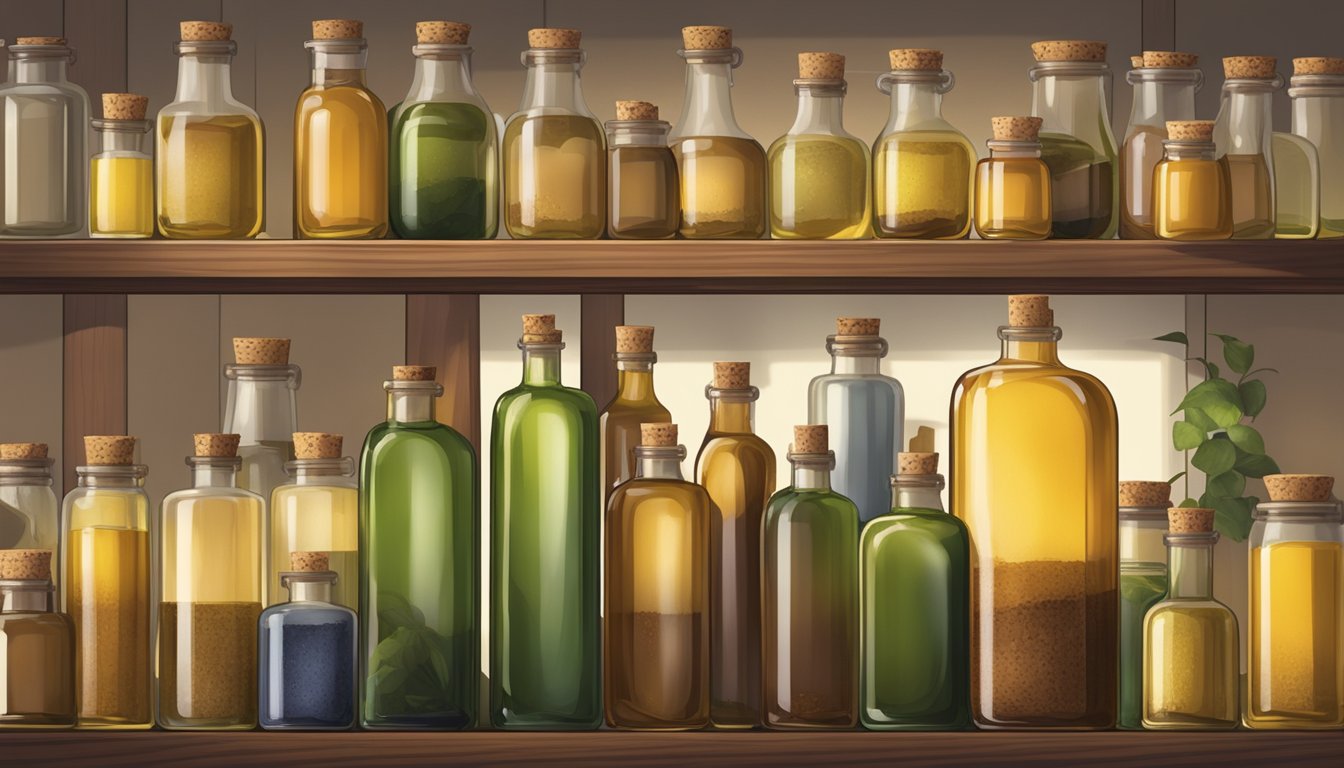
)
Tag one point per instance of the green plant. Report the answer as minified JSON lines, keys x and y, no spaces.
{"x":1226,"y":449}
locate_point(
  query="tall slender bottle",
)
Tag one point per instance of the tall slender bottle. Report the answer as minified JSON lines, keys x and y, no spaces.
{"x":656,"y":651}
{"x":635,"y":403}
{"x":37,"y":645}
{"x":107,"y":586}
{"x":1317,"y":91}
{"x":810,"y":596}
{"x":317,"y":511}
{"x":1143,"y":581}
{"x":865,"y":411}
{"x":545,"y":515}
{"x":121,"y":186}
{"x":723,"y":170}
{"x":1244,"y":134}
{"x":262,"y":407}
{"x":1165,"y":84}
{"x":737,"y":469}
{"x":29,"y":512}
{"x":419,"y":585}
{"x":212,"y":545}
{"x":1034,"y":458}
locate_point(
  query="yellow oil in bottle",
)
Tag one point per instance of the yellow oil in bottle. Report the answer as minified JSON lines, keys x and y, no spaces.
{"x":723,"y":187}
{"x":340,"y":163}
{"x":1192,"y":200}
{"x":1192,"y":688}
{"x":922,"y":185}
{"x":210,"y":174}
{"x":317,"y":518}
{"x":555,"y":177}
{"x":1012,"y":199}
{"x":1252,"y":197}
{"x":121,"y":200}
{"x":819,"y":188}
{"x":1297,"y":188}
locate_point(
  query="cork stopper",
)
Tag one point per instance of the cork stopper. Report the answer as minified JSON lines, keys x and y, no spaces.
{"x":1145,"y":493}
{"x":27,"y":564}
{"x":1189,"y":520}
{"x":201,"y":31}
{"x":817,"y":65}
{"x":732,"y":375}
{"x":810,"y":438}
{"x":916,"y":59}
{"x":309,"y":562}
{"x":1069,"y":50}
{"x":540,"y":329}
{"x":1170,"y":60}
{"x":252,"y":350}
{"x":215,"y":445}
{"x":1257,"y":67}
{"x":1030,"y":311}
{"x":916,"y":463}
{"x":442,"y":32}
{"x":636,"y":110}
{"x":1299,"y":487}
{"x":1016,"y":128}
{"x":1190,"y":130}
{"x":1318,"y":65}
{"x":706,"y":38}
{"x":23,"y":451}
{"x":634,"y":339}
{"x":554,"y":37}
{"x":338,"y":29}
{"x":109,"y":450}
{"x":658,"y":434}
{"x":857,"y":326}
{"x":124,"y":106}
{"x":1136,"y":61}
{"x":317,"y":445}
{"x":414,"y":372}
{"x":40,"y":40}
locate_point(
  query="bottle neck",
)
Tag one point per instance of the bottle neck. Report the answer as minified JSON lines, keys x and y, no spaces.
{"x":1245,"y":122}
{"x":821,"y":109}
{"x":1158,"y":99}
{"x":54,"y":70}
{"x":553,"y":81}
{"x":1189,"y":150}
{"x":262,"y":403}
{"x":913,"y":105}
{"x":333,"y":472}
{"x":731,"y":413}
{"x":204,"y":77}
{"x":659,"y":462}
{"x":634,"y":378}
{"x":27,"y":596}
{"x":861,"y":355}
{"x":339,"y":62}
{"x":1030,"y":345}
{"x":412,"y":402}
{"x":124,"y":136}
{"x":441,"y":73}
{"x":1190,"y":566}
{"x":541,"y":365}
{"x":917,"y":492}
{"x":312,"y":587}
{"x":812,"y":471}
{"x":210,"y":472}
{"x":708,"y":107}
{"x":1002,"y":149}
{"x":114,"y":476}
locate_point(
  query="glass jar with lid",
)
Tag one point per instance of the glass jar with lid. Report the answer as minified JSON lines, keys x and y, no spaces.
{"x":28,"y":510}
{"x":121,"y":188}
{"x":1165,"y":84}
{"x":1244,"y":135}
{"x":1012,"y":185}
{"x":37,"y":646}
{"x":1191,"y":188}
{"x":1317,"y":91}
{"x":643,"y":193}
{"x":262,"y":407}
{"x":1143,"y":581}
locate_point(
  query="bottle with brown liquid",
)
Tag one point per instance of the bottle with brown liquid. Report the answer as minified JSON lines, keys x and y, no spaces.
{"x":643,"y":192}
{"x":635,"y":403}
{"x":1244,"y":134}
{"x":1165,"y":84}
{"x":1012,"y":185}
{"x":37,"y":646}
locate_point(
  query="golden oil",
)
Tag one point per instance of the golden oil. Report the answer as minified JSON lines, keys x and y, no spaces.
{"x":340,"y":164}
{"x":723,"y":187}
{"x":1192,"y":192}
{"x":922,"y":185}
{"x":210,"y":176}
{"x":819,"y":188}
{"x":121,"y":199}
{"x":555,"y":177}
{"x":1012,"y":198}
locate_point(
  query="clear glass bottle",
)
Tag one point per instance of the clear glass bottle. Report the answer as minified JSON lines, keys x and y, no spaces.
{"x":317,"y":511}
{"x":810,"y":596}
{"x":819,"y":172}
{"x":1143,"y":581}
{"x":634,"y":403}
{"x":1295,"y":658}
{"x":1244,"y":135}
{"x":1192,"y":189}
{"x":914,"y":566}
{"x":445,"y":149}
{"x":737,"y":469}
{"x":340,"y":140}
{"x":420,"y":584}
{"x":723,"y":170}
{"x":306,"y":649}
{"x":545,"y":547}
{"x":865,"y":411}
{"x":1317,"y":91}
{"x":1034,"y":443}
{"x":555,"y":159}
{"x":1069,"y":93}
{"x":211,"y":162}
{"x":37,"y":645}
{"x":107,"y":586}
{"x":44,"y":140}
{"x":28,"y":508}
{"x":1190,"y":642}
{"x":656,"y":644}
{"x":923,"y":167}
{"x":262,"y":407}
{"x":643,"y":191}
{"x":1012,"y":185}
{"x":1297,"y":188}
{"x":121,"y":186}
{"x":1165,"y":84}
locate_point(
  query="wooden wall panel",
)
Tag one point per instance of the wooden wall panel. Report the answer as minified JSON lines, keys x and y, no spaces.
{"x":31,"y":359}
{"x":445,"y":331}
{"x":94,"y":374}
{"x":600,"y":314}
{"x":30,"y":17}
{"x":97,"y":30}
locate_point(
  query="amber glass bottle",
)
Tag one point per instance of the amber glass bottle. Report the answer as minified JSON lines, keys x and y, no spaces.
{"x":37,"y":646}
{"x":1192,"y":192}
{"x":635,"y":403}
{"x":1012,"y":185}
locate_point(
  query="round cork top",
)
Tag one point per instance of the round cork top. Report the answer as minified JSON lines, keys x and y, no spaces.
{"x":442,"y":32}
{"x":553,"y":37}
{"x":1170,"y":59}
{"x":810,"y":438}
{"x":1030,"y":311}
{"x":1190,"y":130}
{"x":317,"y":445}
{"x":254,"y":350}
{"x":732,"y":375}
{"x":658,"y":434}
{"x":918,"y":59}
{"x":414,"y":372}
{"x":40,"y":40}
{"x":215,"y":445}
{"x":706,"y":38}
{"x":1299,"y":487}
{"x":1189,"y":520}
{"x":916,"y":463}
{"x":634,"y":339}
{"x":124,"y":106}
{"x":1016,"y":128}
{"x":23,"y":451}
{"x":1144,"y":493}
{"x":309,"y":562}
{"x":636,"y":110}
{"x":338,"y":29}
{"x":540,"y":329}
{"x":1136,"y":61}
{"x":1069,"y":50}
{"x":857,"y":326}
{"x":194,"y":31}
{"x":27,"y":564}
{"x":819,"y":65}
{"x":1257,"y":67}
{"x":109,"y":450}
{"x":1318,"y":65}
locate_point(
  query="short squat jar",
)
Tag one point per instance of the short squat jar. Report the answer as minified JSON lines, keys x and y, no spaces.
{"x":121,"y":190}
{"x":1012,"y":185}
{"x":643,"y":191}
{"x":1192,"y":193}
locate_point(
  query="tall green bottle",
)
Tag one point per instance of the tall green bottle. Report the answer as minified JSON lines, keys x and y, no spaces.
{"x":419,"y":586}
{"x":545,"y":511}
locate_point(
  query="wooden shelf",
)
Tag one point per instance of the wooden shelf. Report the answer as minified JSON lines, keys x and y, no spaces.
{"x":674,"y":266}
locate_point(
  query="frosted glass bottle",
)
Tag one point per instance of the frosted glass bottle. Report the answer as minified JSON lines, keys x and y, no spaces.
{"x":1317,"y":91}
{"x":317,"y":511}
{"x":37,"y":646}
{"x":1244,"y":135}
{"x":1143,"y":581}
{"x":262,"y":407}
{"x":865,"y":411}
{"x":121,"y":187}
{"x":28,"y":508}
{"x":1165,"y":84}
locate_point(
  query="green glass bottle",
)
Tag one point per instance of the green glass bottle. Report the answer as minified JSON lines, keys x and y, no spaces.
{"x":419,"y":503}
{"x":545,"y":512}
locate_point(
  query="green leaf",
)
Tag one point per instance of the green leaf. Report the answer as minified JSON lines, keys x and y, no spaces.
{"x":1210,"y":370}
{"x":1247,"y":439}
{"x":1239,"y":355}
{"x":1219,"y":400}
{"x":1232,"y":516}
{"x":1229,"y":484}
{"x":1215,"y":457}
{"x":1176,"y":477}
{"x":1200,"y":419}
{"x":1253,"y":397}
{"x":1188,"y":503}
{"x":1178,"y":337}
{"x":1186,"y":436}
{"x":1252,"y":465}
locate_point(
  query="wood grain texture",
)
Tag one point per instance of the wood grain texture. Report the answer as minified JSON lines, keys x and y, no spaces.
{"x":95,"y":373}
{"x":97,"y":31}
{"x":600,"y":314}
{"x":445,"y":331}
{"x":1159,"y":25}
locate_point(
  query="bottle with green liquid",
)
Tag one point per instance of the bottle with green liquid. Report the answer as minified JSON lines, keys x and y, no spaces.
{"x":1143,"y":582}
{"x":419,"y":503}
{"x":545,"y":511}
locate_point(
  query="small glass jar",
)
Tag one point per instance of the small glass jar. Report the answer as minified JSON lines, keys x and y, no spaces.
{"x":37,"y":646}
{"x":1317,"y":91}
{"x":1244,"y":134}
{"x":28,"y":507}
{"x":643,"y":191}
{"x":1192,"y":193}
{"x":1143,"y":581}
{"x":1165,"y":84}
{"x":121,"y":188}
{"x":1013,"y":185}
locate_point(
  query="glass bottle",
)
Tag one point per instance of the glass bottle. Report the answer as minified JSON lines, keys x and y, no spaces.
{"x":819,"y":172}
{"x":307,"y":652}
{"x":1295,"y":662}
{"x":1069,"y":94}
{"x":45,"y":129}
{"x":545,"y":515}
{"x":737,"y":469}
{"x":656,"y":648}
{"x":634,"y":403}
{"x":1192,"y":191}
{"x":211,"y":150}
{"x":865,"y":411}
{"x":1165,"y":84}
{"x":643,"y":191}
{"x":1143,"y":581}
{"x":914,"y":565}
{"x":1190,"y":643}
{"x":340,"y":140}
{"x":107,"y":586}
{"x":212,"y":545}
{"x":923,"y":167}
{"x":1013,"y":185}
{"x":28,"y":509}
{"x":810,"y":596}
{"x":722,"y":168}
{"x":445,"y":149}
{"x":1317,"y":92}
{"x":1297,"y":188}
{"x":1244,"y":135}
{"x":1034,"y":446}
{"x":121,"y":188}
{"x":262,"y":407}
{"x":555,"y":172}
{"x":37,"y":645}
{"x":419,"y":589}
{"x":317,"y":511}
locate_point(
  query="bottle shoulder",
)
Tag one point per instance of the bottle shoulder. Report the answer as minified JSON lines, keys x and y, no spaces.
{"x":525,"y":396}
{"x":388,"y":433}
{"x":923,"y":522}
{"x":1208,"y":610}
{"x":1003,"y":372}
{"x":793,"y":501}
{"x":307,"y":612}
